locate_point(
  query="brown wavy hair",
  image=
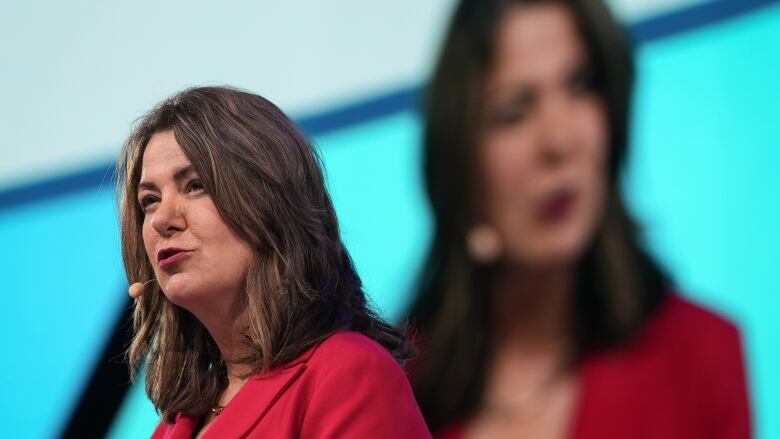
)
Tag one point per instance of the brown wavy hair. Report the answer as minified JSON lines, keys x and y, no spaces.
{"x":301,"y":286}
{"x":618,"y":284}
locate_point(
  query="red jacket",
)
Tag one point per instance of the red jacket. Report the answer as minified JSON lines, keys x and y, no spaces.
{"x":348,"y":386}
{"x":682,"y":377}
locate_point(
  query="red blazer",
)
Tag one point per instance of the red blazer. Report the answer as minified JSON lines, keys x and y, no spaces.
{"x":682,"y":377}
{"x":348,"y":386}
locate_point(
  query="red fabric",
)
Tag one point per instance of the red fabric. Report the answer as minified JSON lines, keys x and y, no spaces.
{"x":346,"y":387}
{"x":682,"y":377}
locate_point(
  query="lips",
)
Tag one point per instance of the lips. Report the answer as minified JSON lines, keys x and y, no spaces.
{"x":557,"y":206}
{"x":171,"y":255}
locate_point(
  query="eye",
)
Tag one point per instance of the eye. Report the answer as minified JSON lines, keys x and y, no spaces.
{"x":147,"y":201}
{"x":583,"y":81}
{"x":196,"y":186}
{"x":514,"y":109}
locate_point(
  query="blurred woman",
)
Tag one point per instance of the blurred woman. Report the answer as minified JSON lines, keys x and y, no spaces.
{"x":540,"y":315}
{"x":257,"y":324}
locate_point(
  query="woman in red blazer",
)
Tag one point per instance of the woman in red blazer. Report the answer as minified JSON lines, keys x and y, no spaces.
{"x":348,"y":386}
{"x":256,"y":324}
{"x":541,"y":315}
{"x":680,"y":377}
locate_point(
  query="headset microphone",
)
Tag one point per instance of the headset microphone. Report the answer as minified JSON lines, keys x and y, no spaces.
{"x":137,"y":289}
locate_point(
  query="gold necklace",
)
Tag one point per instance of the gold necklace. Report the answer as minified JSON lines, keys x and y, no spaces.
{"x":217,"y":409}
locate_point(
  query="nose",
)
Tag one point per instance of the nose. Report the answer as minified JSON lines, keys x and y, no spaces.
{"x":556,"y":140}
{"x":169,"y":217}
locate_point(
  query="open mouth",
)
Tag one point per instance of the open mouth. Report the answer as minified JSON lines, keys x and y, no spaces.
{"x":557,"y":206}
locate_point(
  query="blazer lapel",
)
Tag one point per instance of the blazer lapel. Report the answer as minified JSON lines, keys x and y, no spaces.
{"x":255,"y":399}
{"x":182,"y":428}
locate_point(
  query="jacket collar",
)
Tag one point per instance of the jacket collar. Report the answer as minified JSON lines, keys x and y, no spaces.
{"x":249,"y":405}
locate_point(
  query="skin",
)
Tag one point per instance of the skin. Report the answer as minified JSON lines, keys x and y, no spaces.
{"x":543,"y":133}
{"x":208,"y":282}
{"x":544,"y":137}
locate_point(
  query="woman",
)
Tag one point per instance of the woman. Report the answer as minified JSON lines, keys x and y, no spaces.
{"x":540,"y":314}
{"x":257,"y":324}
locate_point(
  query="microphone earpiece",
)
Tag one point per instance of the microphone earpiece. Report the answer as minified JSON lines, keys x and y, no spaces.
{"x":137,"y":289}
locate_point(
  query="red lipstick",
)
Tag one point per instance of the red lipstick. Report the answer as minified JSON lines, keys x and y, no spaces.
{"x":171,"y":255}
{"x":557,"y":206}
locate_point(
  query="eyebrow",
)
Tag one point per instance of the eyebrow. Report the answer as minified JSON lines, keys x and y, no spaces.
{"x":179,"y":175}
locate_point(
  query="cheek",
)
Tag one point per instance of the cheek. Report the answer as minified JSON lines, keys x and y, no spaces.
{"x":591,"y":128}
{"x":593,"y":132}
{"x":228,"y":258}
{"x":150,"y":239}
{"x":225,"y":249}
{"x":506,"y":162}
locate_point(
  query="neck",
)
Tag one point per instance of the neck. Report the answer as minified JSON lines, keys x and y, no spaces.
{"x":533,"y":307}
{"x":532,"y":311}
{"x":225,"y":322}
{"x":231,"y":344}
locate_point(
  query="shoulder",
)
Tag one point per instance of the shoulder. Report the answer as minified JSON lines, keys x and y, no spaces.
{"x":359,"y":390}
{"x":681,"y":311}
{"x":690,"y":342}
{"x":705,"y":351}
{"x":686,"y":362}
{"x":351,"y":343}
{"x":349,"y":351}
{"x":692,"y":326}
{"x":681,"y":338}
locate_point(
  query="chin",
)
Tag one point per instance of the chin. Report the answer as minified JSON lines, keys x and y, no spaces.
{"x":179,"y":289}
{"x":556,"y":251}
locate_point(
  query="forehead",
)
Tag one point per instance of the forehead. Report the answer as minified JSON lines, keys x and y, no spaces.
{"x":536,"y":41}
{"x":162,"y":156}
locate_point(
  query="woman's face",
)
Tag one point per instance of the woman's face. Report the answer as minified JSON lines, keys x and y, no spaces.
{"x":197,"y":258}
{"x":543,"y":139}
